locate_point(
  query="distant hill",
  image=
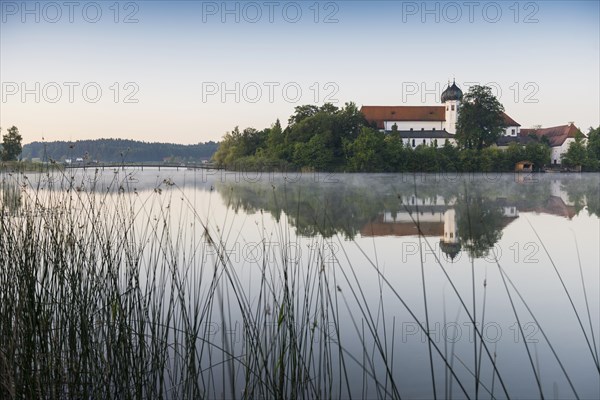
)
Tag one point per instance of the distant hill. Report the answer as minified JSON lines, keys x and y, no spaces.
{"x":119,"y":150}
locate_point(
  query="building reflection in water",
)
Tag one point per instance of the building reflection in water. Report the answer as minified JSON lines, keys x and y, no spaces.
{"x":435,"y":217}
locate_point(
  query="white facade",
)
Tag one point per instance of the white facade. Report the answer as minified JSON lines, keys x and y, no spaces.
{"x":414,"y":125}
{"x":435,"y":119}
{"x":413,"y":200}
{"x":406,"y":217}
{"x":557,"y":191}
{"x":414,"y":142}
{"x":451,"y":115}
{"x":450,"y":231}
{"x":510,"y":211}
{"x":559,"y":150}
{"x":512,"y":131}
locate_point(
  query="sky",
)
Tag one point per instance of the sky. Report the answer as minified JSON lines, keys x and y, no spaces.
{"x":190,"y":71}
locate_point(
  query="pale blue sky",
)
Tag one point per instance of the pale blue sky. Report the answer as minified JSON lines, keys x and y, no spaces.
{"x":178,"y":57}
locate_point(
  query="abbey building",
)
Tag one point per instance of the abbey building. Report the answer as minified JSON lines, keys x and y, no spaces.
{"x":427,"y":125}
{"x":433,"y":125}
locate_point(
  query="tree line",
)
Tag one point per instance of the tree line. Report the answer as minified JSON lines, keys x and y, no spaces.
{"x":118,"y":150}
{"x":329,"y":138}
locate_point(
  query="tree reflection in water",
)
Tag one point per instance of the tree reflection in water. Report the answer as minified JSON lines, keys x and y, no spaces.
{"x":476,"y":208}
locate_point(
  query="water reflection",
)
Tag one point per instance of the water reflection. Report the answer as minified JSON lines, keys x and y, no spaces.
{"x":178,"y":229}
{"x":467,"y":213}
{"x":10,"y":197}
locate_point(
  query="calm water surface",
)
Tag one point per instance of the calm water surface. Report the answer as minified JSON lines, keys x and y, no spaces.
{"x":403,"y":255}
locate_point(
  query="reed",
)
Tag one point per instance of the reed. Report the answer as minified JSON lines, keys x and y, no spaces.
{"x":111,"y":291}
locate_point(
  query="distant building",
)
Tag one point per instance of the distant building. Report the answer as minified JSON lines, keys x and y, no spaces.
{"x":432,"y":125}
{"x":434,"y":217}
{"x":559,"y":138}
{"x":427,"y":125}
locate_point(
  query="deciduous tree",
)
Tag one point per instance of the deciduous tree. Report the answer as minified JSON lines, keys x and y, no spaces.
{"x":480,"y":119}
{"x":11,"y":144}
{"x":576,"y":154}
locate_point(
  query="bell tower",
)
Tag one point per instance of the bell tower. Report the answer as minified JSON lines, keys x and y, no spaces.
{"x":451,"y":98}
{"x":449,"y":243}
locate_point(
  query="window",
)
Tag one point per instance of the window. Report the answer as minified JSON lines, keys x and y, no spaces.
{"x":422,"y":129}
{"x":447,"y":108}
{"x":451,"y":235}
{"x":411,"y":129}
{"x":514,"y":133}
{"x":423,"y":141}
{"x":435,"y":142}
{"x":413,"y":144}
{"x":555,"y":161}
{"x":452,"y":107}
{"x":433,"y":129}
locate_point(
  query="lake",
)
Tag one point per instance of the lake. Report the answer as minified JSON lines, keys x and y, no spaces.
{"x":240,"y":284}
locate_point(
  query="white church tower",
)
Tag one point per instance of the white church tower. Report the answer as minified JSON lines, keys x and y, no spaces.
{"x":451,"y":98}
{"x":449,"y":243}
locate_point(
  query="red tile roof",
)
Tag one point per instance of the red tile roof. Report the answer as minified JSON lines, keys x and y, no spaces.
{"x":554,"y":206}
{"x":379,"y":228}
{"x":556,"y":134}
{"x":379,"y":114}
{"x":508,"y":121}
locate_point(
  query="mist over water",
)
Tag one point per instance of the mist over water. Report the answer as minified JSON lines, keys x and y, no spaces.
{"x":380,"y":270}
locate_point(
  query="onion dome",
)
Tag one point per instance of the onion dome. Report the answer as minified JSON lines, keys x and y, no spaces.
{"x":452,"y":93}
{"x":451,"y":250}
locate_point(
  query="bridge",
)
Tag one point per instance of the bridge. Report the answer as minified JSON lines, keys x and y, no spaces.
{"x":159,"y":166}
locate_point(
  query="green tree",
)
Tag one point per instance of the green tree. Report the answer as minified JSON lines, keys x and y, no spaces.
{"x":230,"y":149}
{"x":302,"y":112}
{"x":493,"y":159}
{"x":11,"y":144}
{"x":514,"y":154}
{"x":538,"y":153}
{"x":593,"y":148}
{"x":448,"y":157}
{"x":329,"y":108}
{"x":480,"y":119}
{"x":425,"y":159}
{"x":276,"y":141}
{"x":366,"y":152}
{"x":479,"y":223}
{"x":394,"y":153}
{"x":576,"y":154}
{"x":315,"y":154}
{"x":334,"y":126}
